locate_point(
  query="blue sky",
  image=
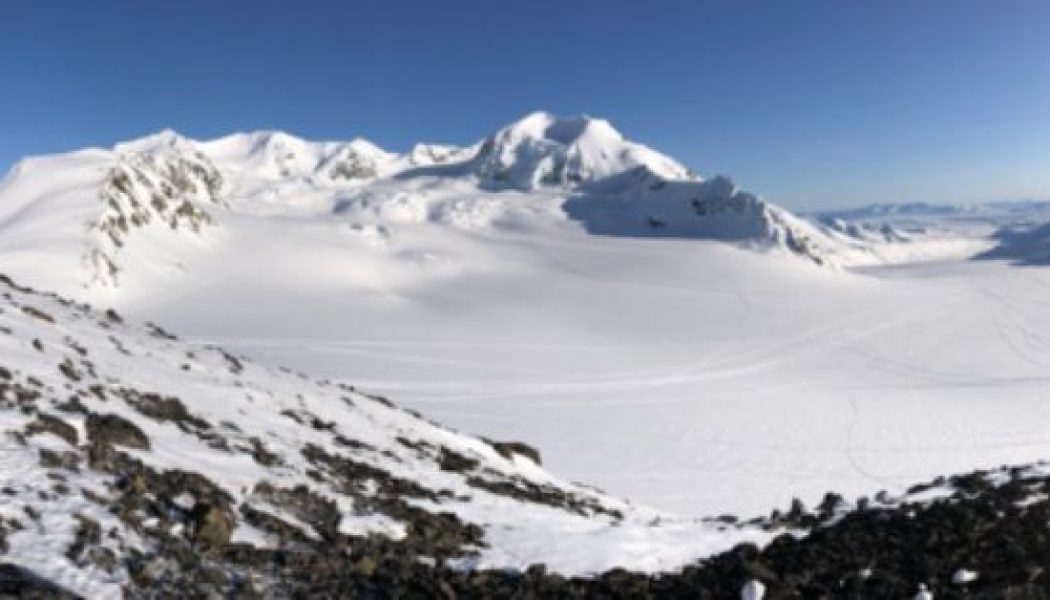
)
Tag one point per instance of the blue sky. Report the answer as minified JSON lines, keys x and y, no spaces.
{"x":809,"y":103}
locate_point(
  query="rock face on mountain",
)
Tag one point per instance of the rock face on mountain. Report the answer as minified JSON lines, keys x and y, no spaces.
{"x":643,"y":204}
{"x":541,"y":172}
{"x":166,"y":182}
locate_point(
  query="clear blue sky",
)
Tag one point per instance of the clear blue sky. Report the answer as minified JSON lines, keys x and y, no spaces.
{"x":810,"y":103}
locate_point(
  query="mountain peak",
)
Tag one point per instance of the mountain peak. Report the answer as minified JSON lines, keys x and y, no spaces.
{"x":542,"y":150}
{"x":562,"y":130}
{"x":163,"y":140}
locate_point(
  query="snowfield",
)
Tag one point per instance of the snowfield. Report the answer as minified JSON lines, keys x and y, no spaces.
{"x":124,"y":429}
{"x":670,"y":339}
{"x":733,"y":390}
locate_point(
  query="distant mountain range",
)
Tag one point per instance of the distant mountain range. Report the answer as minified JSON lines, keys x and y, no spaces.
{"x":925,"y":209}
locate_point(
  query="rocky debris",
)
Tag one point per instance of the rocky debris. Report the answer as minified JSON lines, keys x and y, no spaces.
{"x":354,"y":475}
{"x":168,"y":532}
{"x":111,"y":429}
{"x":450,"y":460}
{"x":509,"y":449}
{"x":353,"y":444}
{"x":173,"y":507}
{"x":885,"y":552}
{"x":88,"y":535}
{"x":66,"y":460}
{"x":70,"y":371}
{"x":52,"y":424}
{"x":981,"y":523}
{"x":523,"y":489}
{"x":17,"y":582}
{"x":212,"y":527}
{"x":261,"y":455}
{"x":422,"y":447}
{"x":163,"y":409}
{"x":159,"y":332}
{"x":308,"y":507}
{"x":36,"y":313}
{"x":235,"y":364}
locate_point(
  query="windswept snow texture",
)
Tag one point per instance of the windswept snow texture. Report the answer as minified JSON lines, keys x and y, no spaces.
{"x":559,"y":284}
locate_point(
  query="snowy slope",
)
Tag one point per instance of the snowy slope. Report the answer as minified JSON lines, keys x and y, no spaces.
{"x":596,"y":318}
{"x":227,"y":451}
{"x":83,"y":210}
{"x":153,"y":204}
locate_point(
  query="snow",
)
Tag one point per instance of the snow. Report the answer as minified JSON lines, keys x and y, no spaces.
{"x":923,"y":593}
{"x":518,"y":290}
{"x":697,"y":379}
{"x":542,"y":149}
{"x":753,"y":590}
{"x":41,"y":546}
{"x":963,"y":576}
{"x":259,"y":401}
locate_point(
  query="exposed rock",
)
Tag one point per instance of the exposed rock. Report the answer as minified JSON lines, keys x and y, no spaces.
{"x":509,"y":449}
{"x":36,"y":313}
{"x":163,"y":409}
{"x":212,"y":527}
{"x":18,"y":582}
{"x":51,"y":424}
{"x":68,"y":460}
{"x":111,"y":429}
{"x":450,"y":460}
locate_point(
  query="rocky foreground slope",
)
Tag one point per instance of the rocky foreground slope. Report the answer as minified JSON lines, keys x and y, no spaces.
{"x":132,"y":461}
{"x":134,"y":464}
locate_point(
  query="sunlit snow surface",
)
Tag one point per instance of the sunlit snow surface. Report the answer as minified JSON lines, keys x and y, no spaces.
{"x":700,"y":383}
{"x":686,"y":374}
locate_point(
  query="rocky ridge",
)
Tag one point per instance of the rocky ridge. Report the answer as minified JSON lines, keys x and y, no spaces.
{"x":133,"y":461}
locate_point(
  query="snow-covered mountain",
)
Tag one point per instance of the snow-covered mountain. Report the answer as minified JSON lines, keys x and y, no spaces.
{"x":105,"y":216}
{"x":908,"y":210}
{"x":919,"y":231}
{"x":580,"y":313}
{"x":542,"y":150}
